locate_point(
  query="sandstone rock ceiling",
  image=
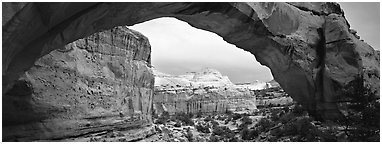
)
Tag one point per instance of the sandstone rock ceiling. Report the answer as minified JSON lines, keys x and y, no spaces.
{"x":308,"y":46}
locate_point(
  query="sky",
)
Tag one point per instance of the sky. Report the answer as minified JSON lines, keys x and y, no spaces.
{"x":364,"y":18}
{"x":178,"y":48}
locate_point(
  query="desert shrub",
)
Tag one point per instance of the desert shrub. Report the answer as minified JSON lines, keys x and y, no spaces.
{"x":236,"y":116}
{"x":203,"y":129}
{"x":264,"y":124}
{"x":234,"y":139}
{"x":154,"y":114}
{"x":199,"y":114}
{"x":172,"y":118}
{"x":306,"y":130}
{"x":244,"y":133}
{"x":275,"y":115}
{"x":363,"y":119}
{"x":213,"y":138}
{"x":328,"y":132}
{"x":277,"y":132}
{"x":253,"y":133}
{"x":221,"y":118}
{"x":183,"y":117}
{"x":286,"y":109}
{"x":223,"y":132}
{"x":207,"y":119}
{"x":190,"y":115}
{"x":302,"y":129}
{"x":189,"y":136}
{"x":249,"y":134}
{"x":214,"y":123}
{"x":297,"y":126}
{"x":242,"y":126}
{"x":289,"y":129}
{"x":178,"y":124}
{"x":162,"y":119}
{"x":228,"y":112}
{"x":298,"y":110}
{"x":286,"y":118}
{"x":246,"y":120}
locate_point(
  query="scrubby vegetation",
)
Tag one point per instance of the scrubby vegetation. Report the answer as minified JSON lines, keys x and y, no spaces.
{"x":223,"y":133}
{"x":202,"y":128}
{"x":249,"y":134}
{"x":360,"y":124}
{"x":189,"y":135}
{"x":163,"y":118}
{"x":288,"y":123}
{"x":186,"y":119}
{"x":363,"y":115}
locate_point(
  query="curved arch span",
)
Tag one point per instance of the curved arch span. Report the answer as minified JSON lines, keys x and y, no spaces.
{"x":289,"y":38}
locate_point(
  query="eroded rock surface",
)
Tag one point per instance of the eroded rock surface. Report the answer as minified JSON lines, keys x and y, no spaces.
{"x":207,"y":91}
{"x":99,"y":83}
{"x":309,"y":47}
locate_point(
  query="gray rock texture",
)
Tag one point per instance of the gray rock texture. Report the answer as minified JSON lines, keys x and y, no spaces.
{"x":205,"y":91}
{"x":309,"y":47}
{"x":101,"y":82}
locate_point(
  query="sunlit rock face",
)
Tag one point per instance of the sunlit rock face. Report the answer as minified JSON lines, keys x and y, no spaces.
{"x":206,"y":91}
{"x":101,"y":82}
{"x":309,"y":47}
{"x":207,"y":77}
{"x":257,"y":85}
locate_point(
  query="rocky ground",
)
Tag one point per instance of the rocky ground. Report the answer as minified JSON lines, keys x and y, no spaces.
{"x":269,"y":123}
{"x":181,"y":127}
{"x":278,"y":124}
{"x":116,"y":135}
{"x":209,"y":127}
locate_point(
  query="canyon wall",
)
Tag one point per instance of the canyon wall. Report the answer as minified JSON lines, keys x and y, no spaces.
{"x":101,"y":82}
{"x":206,"y":91}
{"x":309,"y":47}
{"x":206,"y":102}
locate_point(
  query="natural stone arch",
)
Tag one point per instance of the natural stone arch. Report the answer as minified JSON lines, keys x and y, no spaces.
{"x":292,"y":39}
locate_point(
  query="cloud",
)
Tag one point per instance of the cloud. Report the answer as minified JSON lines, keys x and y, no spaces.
{"x":178,"y":48}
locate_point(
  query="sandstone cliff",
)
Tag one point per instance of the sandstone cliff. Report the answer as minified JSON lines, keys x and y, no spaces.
{"x":207,"y":77}
{"x":102,"y":82}
{"x":206,"y":91}
{"x":258,"y":85}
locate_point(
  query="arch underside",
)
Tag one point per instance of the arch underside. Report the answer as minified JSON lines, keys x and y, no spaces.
{"x":298,"y":45}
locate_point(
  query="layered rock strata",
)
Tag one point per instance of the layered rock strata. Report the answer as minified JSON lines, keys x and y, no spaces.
{"x":99,"y":83}
{"x":273,"y":97}
{"x":207,"y":91}
{"x":309,"y":47}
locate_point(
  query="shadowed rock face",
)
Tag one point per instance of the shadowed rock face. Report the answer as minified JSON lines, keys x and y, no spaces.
{"x":102,"y":82}
{"x":308,"y":46}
